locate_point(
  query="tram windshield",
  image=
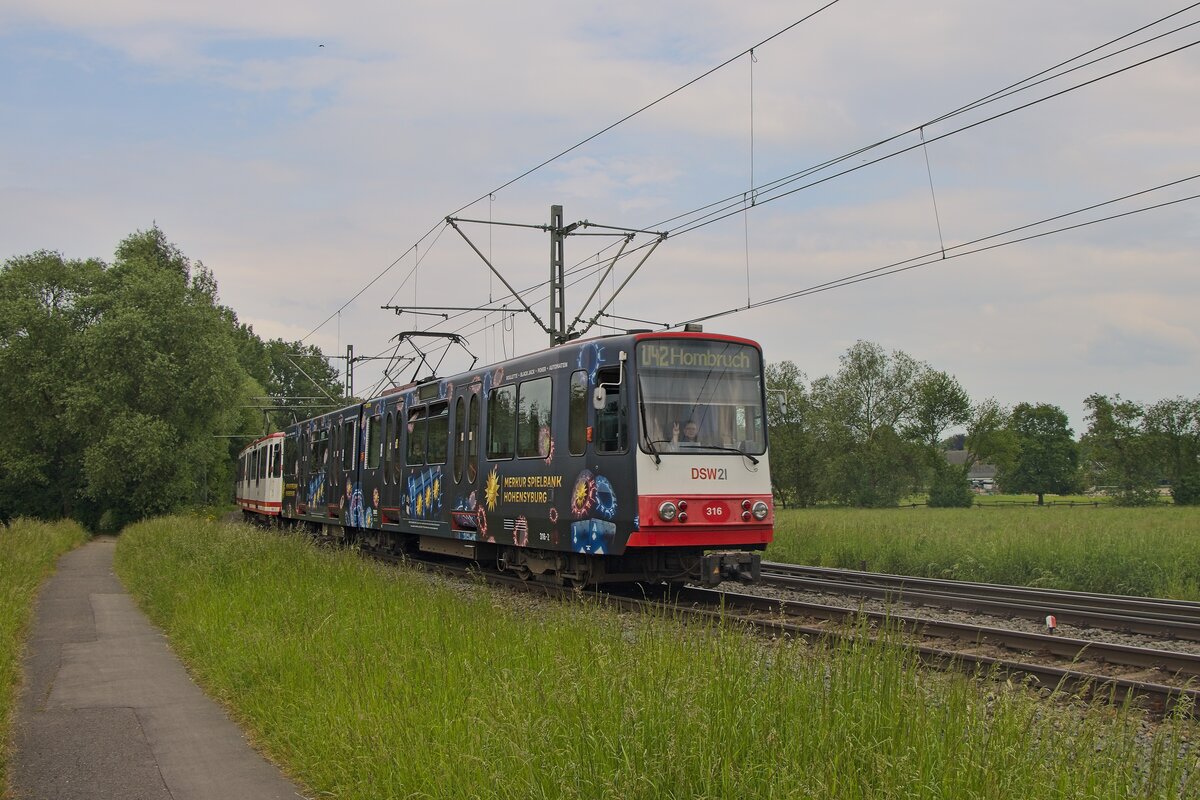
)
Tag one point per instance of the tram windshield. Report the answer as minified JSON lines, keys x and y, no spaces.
{"x":700,"y":396}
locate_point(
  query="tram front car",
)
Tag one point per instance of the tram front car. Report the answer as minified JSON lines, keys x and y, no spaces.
{"x":697,"y":403}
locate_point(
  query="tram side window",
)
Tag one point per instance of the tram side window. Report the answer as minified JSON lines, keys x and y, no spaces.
{"x":312,"y":455}
{"x":397,"y":457}
{"x":278,"y":461}
{"x":416,"y":435}
{"x":290,"y":447}
{"x":387,"y":446}
{"x":533,"y":419}
{"x":473,"y":439}
{"x":577,"y":414}
{"x":439,"y":433}
{"x":335,"y":453}
{"x":502,"y":422}
{"x":611,"y":420}
{"x":349,"y":439}
{"x":373,"y":442}
{"x":322,"y":451}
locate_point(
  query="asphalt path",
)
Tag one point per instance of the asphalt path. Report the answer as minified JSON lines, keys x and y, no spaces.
{"x":108,"y":711}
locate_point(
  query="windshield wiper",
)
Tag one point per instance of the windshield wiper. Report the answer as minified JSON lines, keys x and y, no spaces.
{"x":719,"y":448}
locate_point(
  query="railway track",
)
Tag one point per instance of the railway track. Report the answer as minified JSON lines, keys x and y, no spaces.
{"x":1161,"y":679}
{"x":1162,"y":619}
{"x":1158,"y":680}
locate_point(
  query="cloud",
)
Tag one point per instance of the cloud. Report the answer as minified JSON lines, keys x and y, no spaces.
{"x":299,"y":173}
{"x":1127,"y":349}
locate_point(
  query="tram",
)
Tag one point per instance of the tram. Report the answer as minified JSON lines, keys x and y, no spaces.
{"x":634,"y":457}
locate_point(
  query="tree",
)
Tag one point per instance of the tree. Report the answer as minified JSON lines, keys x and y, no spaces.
{"x":1046,"y":456}
{"x":861,"y":413}
{"x":873,"y":390}
{"x":987,"y":439}
{"x":301,"y":371}
{"x":939,"y":401}
{"x":123,"y":383}
{"x":990,"y":437}
{"x":41,"y":320}
{"x":295,"y":379}
{"x":795,"y":457}
{"x":1174,"y":428}
{"x":157,"y":374}
{"x":1117,"y":453}
{"x":950,"y":487}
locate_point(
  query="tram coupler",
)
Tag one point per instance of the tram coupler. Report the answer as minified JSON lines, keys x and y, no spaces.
{"x":730,"y":566}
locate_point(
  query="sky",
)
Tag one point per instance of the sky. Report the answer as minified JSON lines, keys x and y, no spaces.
{"x":309,"y":154}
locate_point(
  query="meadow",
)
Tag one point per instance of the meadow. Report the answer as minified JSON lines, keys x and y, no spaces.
{"x":28,"y":552}
{"x":367,"y":681}
{"x":1151,"y":552}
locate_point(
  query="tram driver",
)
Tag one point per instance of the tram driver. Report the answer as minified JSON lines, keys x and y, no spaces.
{"x":689,"y":434}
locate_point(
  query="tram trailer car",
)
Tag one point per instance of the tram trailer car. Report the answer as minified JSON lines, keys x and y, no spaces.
{"x":635,"y":457}
{"x":260,"y":477}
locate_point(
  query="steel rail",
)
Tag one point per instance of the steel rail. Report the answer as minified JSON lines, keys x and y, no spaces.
{"x":1162,"y":618}
{"x":1161,"y":697}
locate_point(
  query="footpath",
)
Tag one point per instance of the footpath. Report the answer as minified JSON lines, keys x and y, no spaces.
{"x":108,"y":711}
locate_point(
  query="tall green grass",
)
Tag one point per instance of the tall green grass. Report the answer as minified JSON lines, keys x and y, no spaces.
{"x":28,"y":551}
{"x":1152,"y":552}
{"x":374,"y":682}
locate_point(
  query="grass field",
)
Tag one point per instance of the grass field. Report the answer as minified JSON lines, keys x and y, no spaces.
{"x":28,"y":551}
{"x":1151,"y":552}
{"x":367,"y":681}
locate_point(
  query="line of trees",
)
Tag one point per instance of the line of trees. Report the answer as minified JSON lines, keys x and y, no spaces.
{"x":1131,"y":448}
{"x":114,"y":372}
{"x":874,"y":432}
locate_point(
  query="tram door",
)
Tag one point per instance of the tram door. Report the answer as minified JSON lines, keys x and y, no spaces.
{"x":342,"y":461}
{"x":391,"y":470}
{"x":368,"y":497}
{"x":291,"y":472}
{"x":468,"y":498}
{"x":427,"y":425}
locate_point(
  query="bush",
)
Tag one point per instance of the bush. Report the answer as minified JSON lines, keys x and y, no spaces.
{"x":1186,"y":491}
{"x":950,"y":488}
{"x":1135,"y":496}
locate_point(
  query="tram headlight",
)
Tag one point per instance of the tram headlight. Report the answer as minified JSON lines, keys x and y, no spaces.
{"x":667,"y":511}
{"x":760,"y":511}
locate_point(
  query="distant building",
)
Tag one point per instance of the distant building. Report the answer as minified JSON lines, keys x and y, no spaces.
{"x":982,"y":476}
